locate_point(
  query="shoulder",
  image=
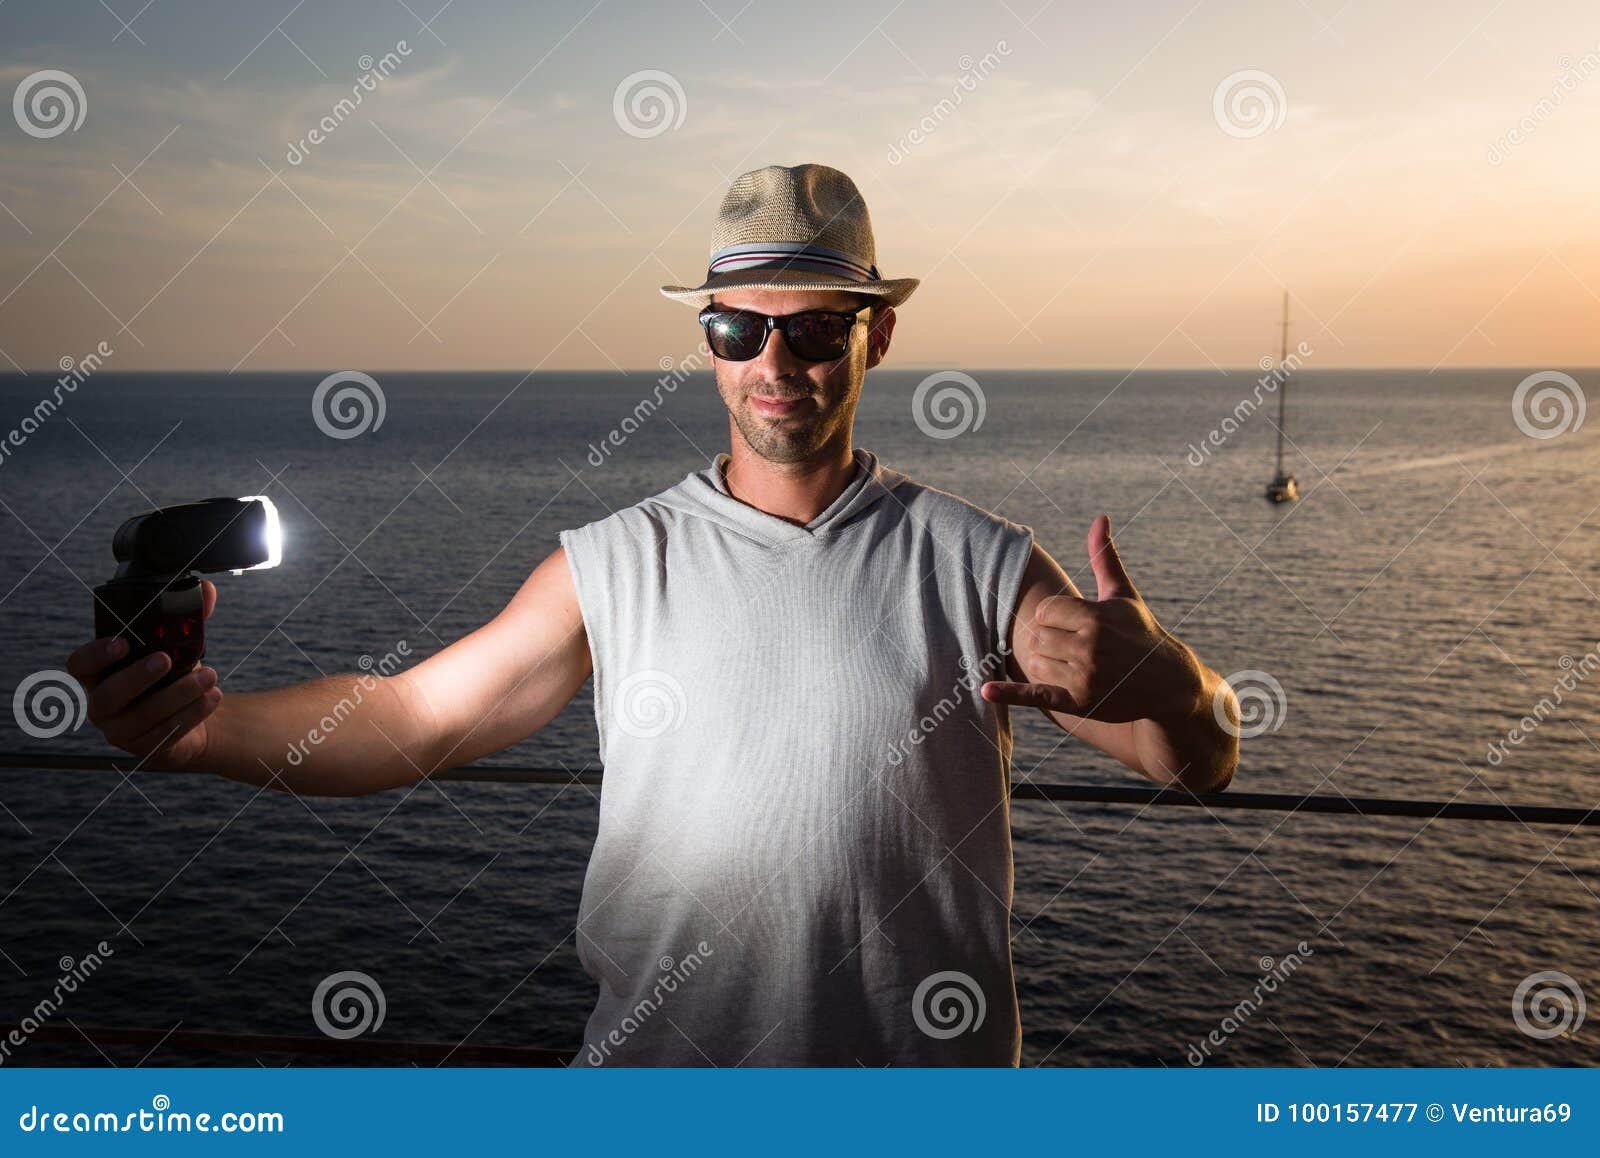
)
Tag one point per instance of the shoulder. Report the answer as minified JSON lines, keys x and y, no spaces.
{"x":641,"y":522}
{"x":957,"y":517}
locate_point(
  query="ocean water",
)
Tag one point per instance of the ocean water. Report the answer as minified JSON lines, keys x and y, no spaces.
{"x":1413,"y":607}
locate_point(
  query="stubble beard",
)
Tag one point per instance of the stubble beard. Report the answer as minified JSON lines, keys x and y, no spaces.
{"x":781,"y":439}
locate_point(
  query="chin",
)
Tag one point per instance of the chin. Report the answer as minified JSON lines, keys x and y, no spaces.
{"x":782,"y":446}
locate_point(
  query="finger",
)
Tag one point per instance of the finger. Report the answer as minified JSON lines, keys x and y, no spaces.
{"x":1054,"y":643}
{"x":114,"y":693}
{"x":1068,"y":675}
{"x":87,"y":663}
{"x":1109,"y":574}
{"x":1046,"y":696}
{"x":209,"y":593}
{"x":1067,"y":612}
{"x":178,"y":723}
{"x":159,"y":705}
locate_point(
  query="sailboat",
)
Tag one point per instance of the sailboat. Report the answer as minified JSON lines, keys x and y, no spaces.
{"x":1283,"y":488}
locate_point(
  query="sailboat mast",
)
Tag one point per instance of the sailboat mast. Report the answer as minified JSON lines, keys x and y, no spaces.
{"x":1283,"y":378}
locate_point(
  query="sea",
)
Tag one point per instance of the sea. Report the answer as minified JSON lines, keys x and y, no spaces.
{"x":1421,"y":624}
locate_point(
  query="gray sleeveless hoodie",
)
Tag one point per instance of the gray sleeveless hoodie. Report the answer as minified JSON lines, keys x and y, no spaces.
{"x":804,"y":848}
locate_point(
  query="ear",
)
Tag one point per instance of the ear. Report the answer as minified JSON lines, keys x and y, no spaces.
{"x":880,"y":328}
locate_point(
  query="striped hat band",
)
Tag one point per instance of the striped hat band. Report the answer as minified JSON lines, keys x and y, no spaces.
{"x":789,"y":255}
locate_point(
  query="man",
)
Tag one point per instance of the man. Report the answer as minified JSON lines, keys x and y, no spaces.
{"x":803,"y":665}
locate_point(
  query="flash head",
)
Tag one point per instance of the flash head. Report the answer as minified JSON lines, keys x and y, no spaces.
{"x":155,"y":601}
{"x":215,"y":535}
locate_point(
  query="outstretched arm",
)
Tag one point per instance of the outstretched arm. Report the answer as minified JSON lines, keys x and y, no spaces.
{"x":1104,"y":670}
{"x":346,"y":735}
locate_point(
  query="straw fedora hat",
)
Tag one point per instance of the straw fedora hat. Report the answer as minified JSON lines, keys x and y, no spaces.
{"x":793,"y":227}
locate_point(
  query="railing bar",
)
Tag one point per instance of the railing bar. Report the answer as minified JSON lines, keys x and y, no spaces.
{"x":1333,"y":805}
{"x":1080,"y":793}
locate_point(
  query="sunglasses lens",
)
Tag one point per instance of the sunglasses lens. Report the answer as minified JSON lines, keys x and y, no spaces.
{"x":818,"y":337}
{"x":735,"y":336}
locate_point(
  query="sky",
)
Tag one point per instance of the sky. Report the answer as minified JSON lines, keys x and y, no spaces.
{"x":1076,"y":185}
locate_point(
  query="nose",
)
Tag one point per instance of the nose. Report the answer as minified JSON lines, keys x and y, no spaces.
{"x":777,"y":360}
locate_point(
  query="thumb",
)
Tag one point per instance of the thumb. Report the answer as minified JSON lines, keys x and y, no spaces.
{"x":1110,"y":576}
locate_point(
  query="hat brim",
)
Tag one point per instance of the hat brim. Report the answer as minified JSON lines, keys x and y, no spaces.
{"x":893,"y":291}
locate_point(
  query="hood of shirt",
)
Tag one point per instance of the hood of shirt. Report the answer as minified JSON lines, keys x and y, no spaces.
{"x":704,"y":494}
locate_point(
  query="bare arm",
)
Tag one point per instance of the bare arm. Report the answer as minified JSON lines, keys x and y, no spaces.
{"x":1105,"y":671}
{"x":346,"y":735}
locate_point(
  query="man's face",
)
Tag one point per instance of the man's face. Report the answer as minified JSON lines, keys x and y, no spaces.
{"x":822,"y":396}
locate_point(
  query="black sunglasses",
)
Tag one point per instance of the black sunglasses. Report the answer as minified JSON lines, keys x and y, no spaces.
{"x":815,"y":335}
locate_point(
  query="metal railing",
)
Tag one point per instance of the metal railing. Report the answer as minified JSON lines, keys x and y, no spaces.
{"x":1334,"y":804}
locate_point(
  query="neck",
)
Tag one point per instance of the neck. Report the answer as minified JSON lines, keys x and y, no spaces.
{"x":796,"y":492}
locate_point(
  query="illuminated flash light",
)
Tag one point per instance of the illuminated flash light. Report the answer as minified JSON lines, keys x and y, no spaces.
{"x":271,"y":534}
